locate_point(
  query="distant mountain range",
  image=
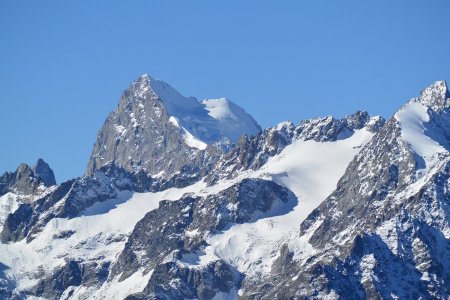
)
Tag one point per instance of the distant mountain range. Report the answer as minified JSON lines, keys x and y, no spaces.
{"x":188,"y":199}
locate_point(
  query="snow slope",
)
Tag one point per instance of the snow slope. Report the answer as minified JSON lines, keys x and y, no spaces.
{"x":233,"y":121}
{"x":97,"y":235}
{"x":189,"y":139}
{"x":311,"y":170}
{"x":413,"y":119}
{"x":8,"y":204}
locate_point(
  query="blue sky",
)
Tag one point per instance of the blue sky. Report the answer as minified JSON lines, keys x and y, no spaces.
{"x":64,"y":64}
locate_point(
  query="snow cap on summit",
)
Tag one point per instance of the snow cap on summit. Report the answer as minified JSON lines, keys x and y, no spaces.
{"x":209,"y":120}
{"x":144,"y":76}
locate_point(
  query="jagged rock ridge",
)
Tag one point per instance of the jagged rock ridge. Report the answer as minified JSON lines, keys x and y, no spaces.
{"x":26,"y":180}
{"x":252,"y":152}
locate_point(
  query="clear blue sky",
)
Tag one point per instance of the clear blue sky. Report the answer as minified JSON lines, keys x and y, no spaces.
{"x":64,"y":64}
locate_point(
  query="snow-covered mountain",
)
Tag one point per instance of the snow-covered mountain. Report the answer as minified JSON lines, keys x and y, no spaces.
{"x":157,"y":130}
{"x":175,"y":205}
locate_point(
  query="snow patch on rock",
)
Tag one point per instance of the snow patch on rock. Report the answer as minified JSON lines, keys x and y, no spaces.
{"x":412,"y":118}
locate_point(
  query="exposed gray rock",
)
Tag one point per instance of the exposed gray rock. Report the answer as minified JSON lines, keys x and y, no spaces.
{"x":43,"y":171}
{"x":71,"y":275}
{"x":7,"y":285}
{"x":436,"y":96}
{"x":174,"y":281}
{"x":26,"y":181}
{"x":53,"y":286}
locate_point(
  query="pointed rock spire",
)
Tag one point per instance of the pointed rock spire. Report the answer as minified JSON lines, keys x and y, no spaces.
{"x":43,"y":172}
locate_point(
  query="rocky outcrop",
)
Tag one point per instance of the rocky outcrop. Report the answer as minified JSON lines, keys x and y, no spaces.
{"x":174,"y":281}
{"x":27,"y":181}
{"x":43,"y":172}
{"x":71,"y":275}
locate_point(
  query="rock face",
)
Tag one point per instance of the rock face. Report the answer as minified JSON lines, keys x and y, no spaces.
{"x":175,"y":206}
{"x":43,"y":171}
{"x":216,"y":279}
{"x":70,"y":275}
{"x":157,"y":130}
{"x":26,"y":180}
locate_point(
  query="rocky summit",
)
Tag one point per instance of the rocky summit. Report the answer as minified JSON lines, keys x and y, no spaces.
{"x":189,"y":199}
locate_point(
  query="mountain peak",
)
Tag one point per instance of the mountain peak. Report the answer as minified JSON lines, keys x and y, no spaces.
{"x":436,"y":96}
{"x":26,"y":180}
{"x":144,"y":76}
{"x":222,"y":118}
{"x":43,"y":171}
{"x":23,"y":170}
{"x":153,"y":119}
